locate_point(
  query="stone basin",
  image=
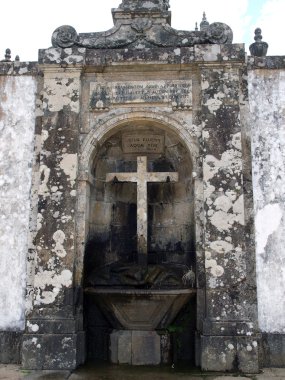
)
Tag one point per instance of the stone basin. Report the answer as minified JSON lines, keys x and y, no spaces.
{"x":140,"y":309}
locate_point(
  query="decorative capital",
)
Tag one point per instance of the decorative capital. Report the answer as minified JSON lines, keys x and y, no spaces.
{"x":258,"y":48}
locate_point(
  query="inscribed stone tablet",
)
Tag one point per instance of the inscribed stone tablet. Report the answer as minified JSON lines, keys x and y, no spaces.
{"x":175,"y":92}
{"x":146,"y":143}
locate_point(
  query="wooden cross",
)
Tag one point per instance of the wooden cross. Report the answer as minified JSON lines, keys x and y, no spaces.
{"x":142,"y":177}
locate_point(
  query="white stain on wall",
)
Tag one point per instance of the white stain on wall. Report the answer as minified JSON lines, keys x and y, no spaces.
{"x":60,"y":92}
{"x":267,"y":221}
{"x":69,"y":165}
{"x":48,"y":284}
{"x":17,"y":114}
{"x":59,"y":238}
{"x":267,"y":106}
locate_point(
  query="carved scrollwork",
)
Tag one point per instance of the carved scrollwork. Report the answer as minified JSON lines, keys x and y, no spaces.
{"x":154,"y":35}
{"x":65,"y":36}
{"x":219,"y":33}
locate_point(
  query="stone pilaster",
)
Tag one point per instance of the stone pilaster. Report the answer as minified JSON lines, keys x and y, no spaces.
{"x":229,"y":335}
{"x":54,"y":337}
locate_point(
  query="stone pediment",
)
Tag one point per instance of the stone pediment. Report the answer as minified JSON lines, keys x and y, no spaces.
{"x":142,"y":24}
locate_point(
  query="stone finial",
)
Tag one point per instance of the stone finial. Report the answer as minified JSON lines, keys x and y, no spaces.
{"x":131,"y":9}
{"x":196,"y":27}
{"x":139,"y":4}
{"x":7,"y":55}
{"x":204,"y":23}
{"x":166,"y":4}
{"x":258,"y":48}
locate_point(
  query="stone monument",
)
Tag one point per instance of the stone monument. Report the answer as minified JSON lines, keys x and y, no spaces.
{"x":169,"y":200}
{"x":141,"y":210}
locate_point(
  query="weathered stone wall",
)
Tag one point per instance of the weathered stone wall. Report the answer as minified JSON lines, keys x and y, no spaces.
{"x":17,"y":124}
{"x":73,"y":121}
{"x":50,"y":339}
{"x":267,"y":106}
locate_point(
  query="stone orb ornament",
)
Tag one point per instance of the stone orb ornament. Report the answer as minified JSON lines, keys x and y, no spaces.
{"x":65,"y":36}
{"x":219,"y":33}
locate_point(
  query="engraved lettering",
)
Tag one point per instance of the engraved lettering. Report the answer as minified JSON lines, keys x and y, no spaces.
{"x":143,"y":143}
{"x":104,"y":94}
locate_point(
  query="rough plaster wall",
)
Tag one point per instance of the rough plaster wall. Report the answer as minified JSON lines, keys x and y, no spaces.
{"x":267,"y":104}
{"x":17,"y":122}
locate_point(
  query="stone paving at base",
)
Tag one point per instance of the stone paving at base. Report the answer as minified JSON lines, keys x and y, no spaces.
{"x":91,"y":372}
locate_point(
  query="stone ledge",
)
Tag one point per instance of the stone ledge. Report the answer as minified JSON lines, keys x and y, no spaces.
{"x":270,"y":62}
{"x":54,"y":326}
{"x":19,"y":68}
{"x":228,"y":328}
{"x":161,"y":55}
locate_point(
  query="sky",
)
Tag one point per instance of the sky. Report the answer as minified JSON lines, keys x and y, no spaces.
{"x":27,"y":25}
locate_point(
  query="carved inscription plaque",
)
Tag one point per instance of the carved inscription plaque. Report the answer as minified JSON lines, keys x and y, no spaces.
{"x":143,"y":143}
{"x":176,"y":92}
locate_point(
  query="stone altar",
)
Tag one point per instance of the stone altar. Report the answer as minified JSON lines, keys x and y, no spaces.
{"x":136,"y":297}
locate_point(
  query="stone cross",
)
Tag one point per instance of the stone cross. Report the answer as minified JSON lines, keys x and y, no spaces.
{"x":142,"y":177}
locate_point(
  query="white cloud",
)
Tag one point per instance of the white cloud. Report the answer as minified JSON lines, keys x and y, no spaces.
{"x":271,"y":21}
{"x":27,"y":26}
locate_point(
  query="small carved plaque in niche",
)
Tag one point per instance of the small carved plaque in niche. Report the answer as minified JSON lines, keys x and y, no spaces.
{"x":178,"y":93}
{"x":143,"y":143}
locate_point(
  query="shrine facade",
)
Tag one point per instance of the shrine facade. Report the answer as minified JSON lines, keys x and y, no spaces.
{"x":142,"y":198}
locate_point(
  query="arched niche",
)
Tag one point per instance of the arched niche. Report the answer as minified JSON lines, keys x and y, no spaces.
{"x":107,"y":211}
{"x":112,"y":232}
